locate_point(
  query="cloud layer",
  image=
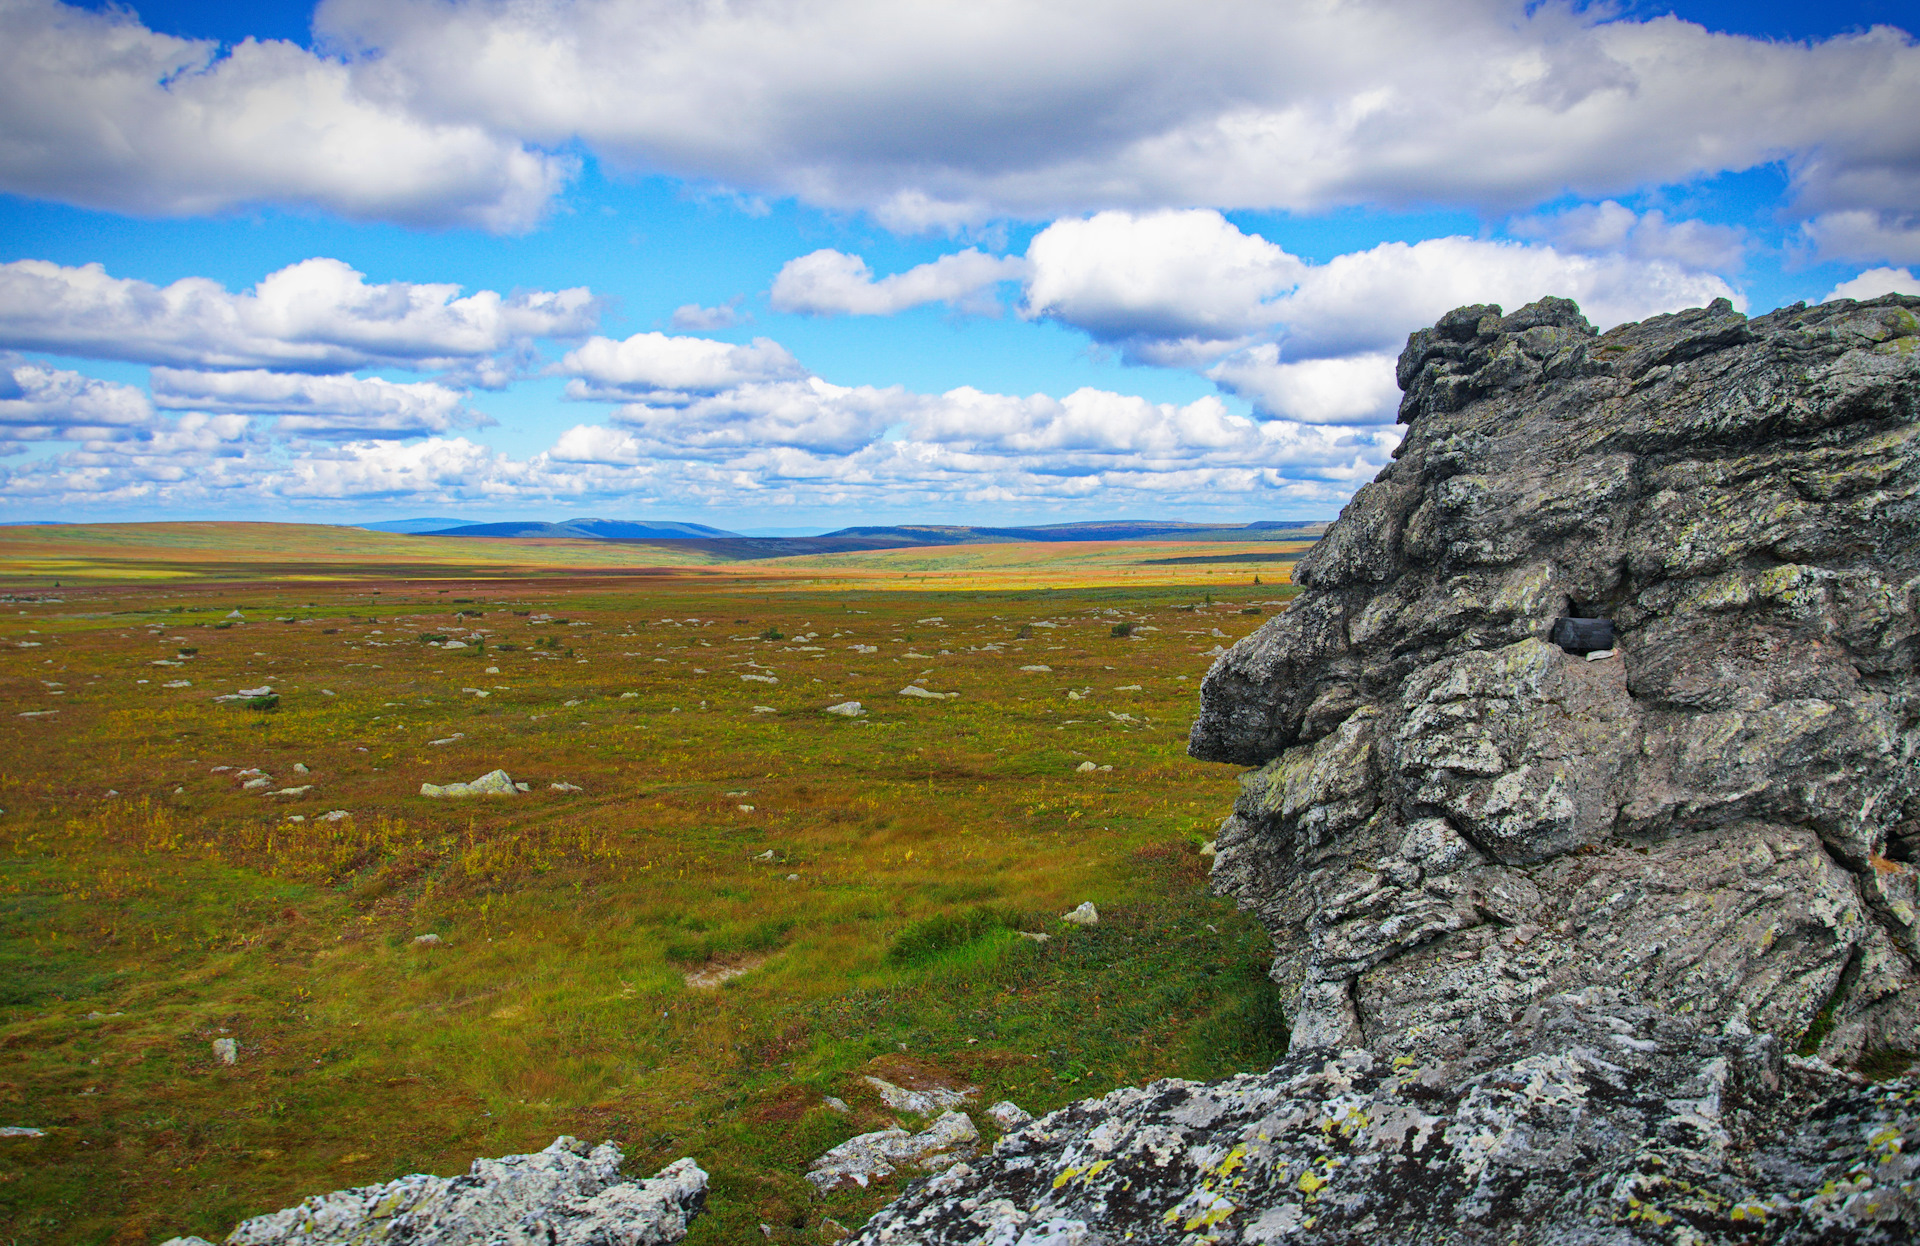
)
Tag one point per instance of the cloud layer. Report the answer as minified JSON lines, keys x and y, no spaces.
{"x":102,"y":112}
{"x":315,"y":316}
{"x":1308,"y":342}
{"x":435,"y":113}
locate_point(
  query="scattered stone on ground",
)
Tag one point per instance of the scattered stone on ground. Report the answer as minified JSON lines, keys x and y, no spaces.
{"x":428,"y":940}
{"x":21,"y":1131}
{"x":846,"y":709}
{"x":1043,"y":669}
{"x":836,"y":1105}
{"x":922,"y":1102}
{"x":302,"y":790}
{"x":1036,"y":936}
{"x":765,"y":709}
{"x":868,"y":1157}
{"x":1009,"y":1115}
{"x":565,"y":787}
{"x":565,"y":1195}
{"x":1085,"y":767}
{"x":760,"y":679}
{"x":300,"y":767}
{"x":458,"y":735}
{"x":492,"y":783}
{"x":721,"y":969}
{"x":226,"y":1050}
{"x":335,"y":815}
{"x":1084,"y":915}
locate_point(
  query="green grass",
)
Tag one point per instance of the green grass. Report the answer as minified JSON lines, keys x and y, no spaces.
{"x":872,"y":889}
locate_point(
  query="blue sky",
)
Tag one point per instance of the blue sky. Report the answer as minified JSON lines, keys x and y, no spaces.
{"x":804,"y":266}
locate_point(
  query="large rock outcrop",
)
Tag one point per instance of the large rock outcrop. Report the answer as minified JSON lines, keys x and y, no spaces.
{"x":1550,"y":924}
{"x":1452,"y":817}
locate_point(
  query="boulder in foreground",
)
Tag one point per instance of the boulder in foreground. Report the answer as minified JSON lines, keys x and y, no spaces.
{"x":492,"y":783}
{"x":1597,"y":1120}
{"x":565,"y":1195}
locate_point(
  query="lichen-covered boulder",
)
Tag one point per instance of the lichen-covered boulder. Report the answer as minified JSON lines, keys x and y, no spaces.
{"x":1595,"y":1120}
{"x":1452,"y":817}
{"x":566,"y":1195}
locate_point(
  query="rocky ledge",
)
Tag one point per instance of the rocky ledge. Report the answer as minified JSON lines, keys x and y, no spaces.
{"x":1596,"y":1120}
{"x":1551,"y":900}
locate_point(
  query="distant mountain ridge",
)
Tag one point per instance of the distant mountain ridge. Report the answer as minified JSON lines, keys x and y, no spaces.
{"x":734,"y":546}
{"x":589,"y":529}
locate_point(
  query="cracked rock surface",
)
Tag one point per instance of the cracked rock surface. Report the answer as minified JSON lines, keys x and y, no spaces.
{"x":1450,"y":817}
{"x":1597,"y":1120}
{"x":566,"y":1195}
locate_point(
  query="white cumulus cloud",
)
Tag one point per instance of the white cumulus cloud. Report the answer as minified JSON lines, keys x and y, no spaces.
{"x":319,"y":315}
{"x":100,"y":111}
{"x":1168,"y":287}
{"x":319,"y":406}
{"x":662,"y":364}
{"x":1614,"y":229}
{"x":829,"y":282}
{"x":39,"y":403}
{"x":1355,"y":389}
{"x":1875,"y":282}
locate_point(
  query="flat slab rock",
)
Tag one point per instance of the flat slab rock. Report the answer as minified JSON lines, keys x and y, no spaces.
{"x":1599,"y":1120}
{"x":566,"y":1195}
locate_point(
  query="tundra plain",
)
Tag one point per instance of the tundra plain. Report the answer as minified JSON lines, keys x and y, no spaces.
{"x":715,"y":907}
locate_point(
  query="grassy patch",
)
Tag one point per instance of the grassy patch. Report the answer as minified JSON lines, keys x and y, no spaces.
{"x":714,"y":906}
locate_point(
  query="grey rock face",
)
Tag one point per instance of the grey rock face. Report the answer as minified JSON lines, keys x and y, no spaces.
{"x":1452,"y":818}
{"x":565,"y":1195}
{"x":1595,"y":1120}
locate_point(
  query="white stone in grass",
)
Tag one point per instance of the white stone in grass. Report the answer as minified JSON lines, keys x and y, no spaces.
{"x":1210,"y":848}
{"x":454,"y":644}
{"x":225,"y":1050}
{"x":565,"y":787}
{"x":629,"y":696}
{"x":1043,"y":669}
{"x":1037,"y":938}
{"x":765,"y":709}
{"x":178,"y":683}
{"x":493,"y":783}
{"x":21,"y":1131}
{"x":846,"y":709}
{"x":759,"y":679}
{"x":427,"y":940}
{"x":1084,"y":767}
{"x":300,"y":767}
{"x":458,"y":735}
{"x":255,"y":784}
{"x":920,"y":1102}
{"x":914,"y":690}
{"x":1085,"y":915}
{"x":836,"y":1105}
{"x":1009,"y":1115}
{"x":860,"y":1160}
{"x":335,"y":815}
